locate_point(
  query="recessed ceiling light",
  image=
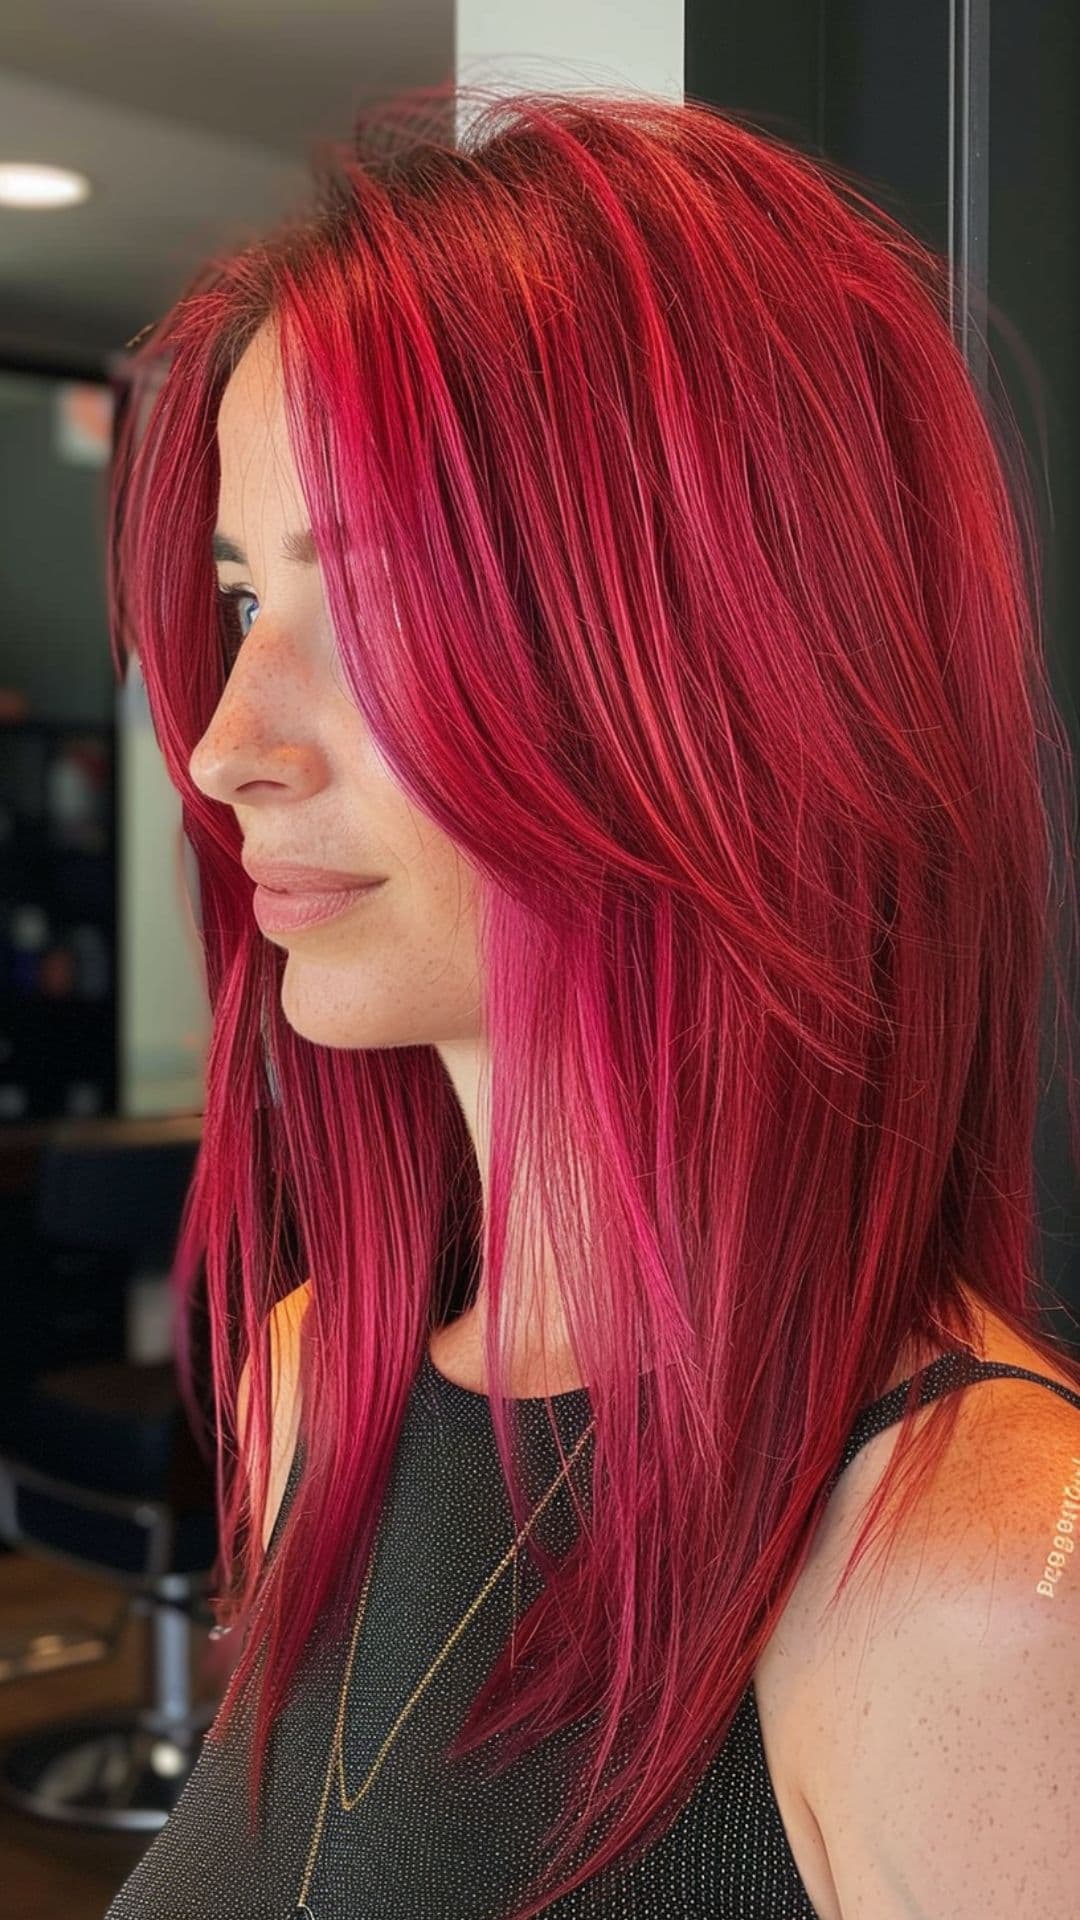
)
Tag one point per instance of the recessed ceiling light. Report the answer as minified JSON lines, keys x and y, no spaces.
{"x":23,"y":183}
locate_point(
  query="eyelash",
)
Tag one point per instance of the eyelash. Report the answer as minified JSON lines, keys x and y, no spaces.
{"x":228,"y":596}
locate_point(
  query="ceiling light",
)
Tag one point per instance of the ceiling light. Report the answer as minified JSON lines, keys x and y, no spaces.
{"x":25,"y":184}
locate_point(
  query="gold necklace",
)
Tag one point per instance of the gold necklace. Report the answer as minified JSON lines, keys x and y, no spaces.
{"x":336,"y":1758}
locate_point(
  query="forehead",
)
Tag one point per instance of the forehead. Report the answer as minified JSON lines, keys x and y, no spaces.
{"x":252,"y":433}
{"x":252,"y":401}
{"x":256,"y":377}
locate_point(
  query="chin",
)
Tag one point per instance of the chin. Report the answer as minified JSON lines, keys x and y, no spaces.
{"x":328,"y":1026}
{"x":319,"y":1016}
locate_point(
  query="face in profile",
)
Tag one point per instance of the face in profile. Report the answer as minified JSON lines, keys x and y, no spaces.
{"x":289,"y":751}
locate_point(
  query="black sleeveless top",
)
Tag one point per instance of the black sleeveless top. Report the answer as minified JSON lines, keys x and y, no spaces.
{"x":431,"y":1841}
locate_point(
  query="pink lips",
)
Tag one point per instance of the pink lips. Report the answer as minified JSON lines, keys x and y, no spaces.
{"x":287,"y":912}
{"x":290,"y":876}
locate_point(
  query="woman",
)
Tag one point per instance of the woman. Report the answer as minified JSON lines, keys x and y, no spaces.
{"x":619,"y":592}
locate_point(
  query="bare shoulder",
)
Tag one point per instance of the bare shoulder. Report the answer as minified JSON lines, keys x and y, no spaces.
{"x":1014,"y":1444}
{"x":288,"y":1315}
{"x":286,"y":1321}
{"x":924,"y":1701}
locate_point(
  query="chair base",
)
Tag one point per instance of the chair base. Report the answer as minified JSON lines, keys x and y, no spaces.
{"x":111,"y":1771}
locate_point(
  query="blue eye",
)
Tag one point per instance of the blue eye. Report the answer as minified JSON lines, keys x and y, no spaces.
{"x":229,"y":597}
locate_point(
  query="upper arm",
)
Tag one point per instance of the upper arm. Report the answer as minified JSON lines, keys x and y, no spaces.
{"x":285,"y":1323}
{"x":951,"y":1745}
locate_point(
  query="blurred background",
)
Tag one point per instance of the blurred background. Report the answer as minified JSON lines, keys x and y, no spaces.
{"x":179,"y":127}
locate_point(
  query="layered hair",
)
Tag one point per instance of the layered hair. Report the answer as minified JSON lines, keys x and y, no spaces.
{"x":687,"y":581}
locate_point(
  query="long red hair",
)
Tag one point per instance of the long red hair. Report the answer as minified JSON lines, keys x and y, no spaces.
{"x":684,"y":578}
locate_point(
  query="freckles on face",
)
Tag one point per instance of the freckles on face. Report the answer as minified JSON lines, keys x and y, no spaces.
{"x":400,"y":968}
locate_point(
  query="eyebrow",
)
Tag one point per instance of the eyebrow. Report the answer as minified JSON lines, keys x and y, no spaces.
{"x":299,"y":548}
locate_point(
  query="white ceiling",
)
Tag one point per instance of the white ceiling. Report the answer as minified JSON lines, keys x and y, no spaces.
{"x":195,"y":121}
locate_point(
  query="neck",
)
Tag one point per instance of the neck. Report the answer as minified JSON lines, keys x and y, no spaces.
{"x":539,"y":1364}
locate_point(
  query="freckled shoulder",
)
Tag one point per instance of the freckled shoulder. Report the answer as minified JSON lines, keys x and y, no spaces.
{"x":911,"y":1666}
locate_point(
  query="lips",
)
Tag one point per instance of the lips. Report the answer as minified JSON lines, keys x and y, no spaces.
{"x":289,"y":912}
{"x":285,"y":876}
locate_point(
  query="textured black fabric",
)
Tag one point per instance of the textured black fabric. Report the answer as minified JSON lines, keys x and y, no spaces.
{"x":427,"y":1842}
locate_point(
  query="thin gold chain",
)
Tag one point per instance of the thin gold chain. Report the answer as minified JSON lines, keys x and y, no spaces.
{"x":336,"y":1758}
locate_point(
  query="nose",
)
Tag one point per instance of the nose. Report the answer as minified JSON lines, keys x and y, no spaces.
{"x":261,"y":744}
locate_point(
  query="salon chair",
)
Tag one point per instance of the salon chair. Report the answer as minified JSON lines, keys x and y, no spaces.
{"x":99,"y":1470}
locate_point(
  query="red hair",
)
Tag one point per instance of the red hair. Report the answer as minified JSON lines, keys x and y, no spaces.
{"x":685,"y":581}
